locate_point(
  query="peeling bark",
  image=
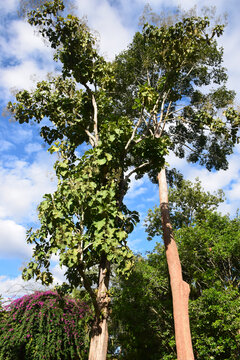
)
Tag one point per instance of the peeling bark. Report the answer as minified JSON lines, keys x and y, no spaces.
{"x":180,"y":289}
{"x":99,"y":336}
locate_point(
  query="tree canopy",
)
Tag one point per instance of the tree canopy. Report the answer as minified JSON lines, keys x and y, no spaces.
{"x":131,"y":113}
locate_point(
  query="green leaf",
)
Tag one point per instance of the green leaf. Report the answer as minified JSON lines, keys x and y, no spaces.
{"x":101,"y":161}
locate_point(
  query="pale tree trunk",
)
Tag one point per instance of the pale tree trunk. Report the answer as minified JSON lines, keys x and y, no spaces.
{"x":99,"y":336}
{"x":180,"y":289}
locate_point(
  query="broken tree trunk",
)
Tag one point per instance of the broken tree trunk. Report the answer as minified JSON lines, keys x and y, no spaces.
{"x":180,"y":289}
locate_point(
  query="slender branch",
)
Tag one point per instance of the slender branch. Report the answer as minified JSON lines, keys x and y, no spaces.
{"x":92,"y":139}
{"x":135,"y":169}
{"x":147,"y":124}
{"x":176,"y":111}
{"x":142,"y":137}
{"x":95,"y":119}
{"x":87,"y":246}
{"x":189,"y":72}
{"x":161,"y":113}
{"x":148,"y":78}
{"x":134,"y":132}
{"x":87,"y":285}
{"x":156,"y":104}
{"x":165,"y":118}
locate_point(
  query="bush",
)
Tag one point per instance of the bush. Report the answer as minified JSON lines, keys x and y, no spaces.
{"x":44,"y":325}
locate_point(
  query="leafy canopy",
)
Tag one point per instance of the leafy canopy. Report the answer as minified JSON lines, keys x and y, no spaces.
{"x":128,"y":114}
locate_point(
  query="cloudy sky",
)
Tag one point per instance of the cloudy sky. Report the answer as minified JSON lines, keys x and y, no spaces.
{"x":25,"y":166}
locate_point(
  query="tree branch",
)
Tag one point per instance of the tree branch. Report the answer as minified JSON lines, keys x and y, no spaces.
{"x":157,"y":125}
{"x":134,"y":132}
{"x":165,"y":118}
{"x":95,"y":119}
{"x":135,"y":169}
{"x":92,"y":139}
{"x":89,"y":289}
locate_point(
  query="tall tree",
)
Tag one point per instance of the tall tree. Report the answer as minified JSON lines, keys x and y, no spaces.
{"x":180,"y":289}
{"x":129,"y":113}
{"x":182,"y":55}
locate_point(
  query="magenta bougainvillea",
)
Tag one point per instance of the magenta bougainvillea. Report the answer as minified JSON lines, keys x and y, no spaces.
{"x":44,"y":325}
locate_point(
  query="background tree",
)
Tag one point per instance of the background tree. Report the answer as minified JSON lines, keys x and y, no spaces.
{"x":141,"y":325}
{"x":168,"y":61}
{"x":188,"y":202}
{"x":209,"y":246}
{"x":129,"y":113}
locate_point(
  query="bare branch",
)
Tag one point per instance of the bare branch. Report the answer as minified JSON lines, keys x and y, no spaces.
{"x":87,"y":285}
{"x":95,"y":119}
{"x":148,"y":78}
{"x":176,"y":111}
{"x":134,"y":132}
{"x":189,"y":72}
{"x":161,"y":114}
{"x":92,"y":139}
{"x":135,"y":169}
{"x":165,"y":118}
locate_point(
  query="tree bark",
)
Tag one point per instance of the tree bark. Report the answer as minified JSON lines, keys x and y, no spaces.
{"x":180,"y":289}
{"x":99,"y":335}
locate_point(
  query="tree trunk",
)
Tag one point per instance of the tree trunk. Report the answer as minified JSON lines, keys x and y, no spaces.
{"x":99,"y":336}
{"x":180,"y":289}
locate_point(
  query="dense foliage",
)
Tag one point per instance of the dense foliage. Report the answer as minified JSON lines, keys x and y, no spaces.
{"x":45,"y":325}
{"x":130,"y":113}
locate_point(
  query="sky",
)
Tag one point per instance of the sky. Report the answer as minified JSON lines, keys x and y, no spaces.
{"x":26,"y":172}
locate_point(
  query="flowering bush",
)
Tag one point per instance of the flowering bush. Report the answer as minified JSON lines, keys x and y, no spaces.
{"x":44,"y":325}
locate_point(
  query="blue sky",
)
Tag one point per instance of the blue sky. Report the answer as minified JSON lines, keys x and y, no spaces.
{"x":25,"y":166}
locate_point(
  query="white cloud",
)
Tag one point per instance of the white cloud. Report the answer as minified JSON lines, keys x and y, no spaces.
{"x":13,"y":240}
{"x":58,"y":274}
{"x":21,"y":76}
{"x":8,"y":6}
{"x":217,"y":180}
{"x":33,"y":147}
{"x":24,"y":55}
{"x":5,"y":145}
{"x":17,"y":287}
{"x":234,"y":192}
{"x":228,"y":180}
{"x":137,"y":187}
{"x":134,"y":244}
{"x":105,"y":19}
{"x":23,"y":41}
{"x":20,"y":135}
{"x":22,"y":186}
